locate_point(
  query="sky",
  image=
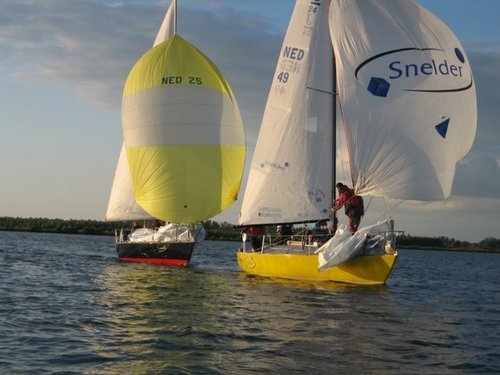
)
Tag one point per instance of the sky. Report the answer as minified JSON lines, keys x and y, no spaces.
{"x":63,"y":64}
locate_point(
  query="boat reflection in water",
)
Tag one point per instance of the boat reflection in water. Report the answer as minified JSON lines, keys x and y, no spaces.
{"x":156,"y":318}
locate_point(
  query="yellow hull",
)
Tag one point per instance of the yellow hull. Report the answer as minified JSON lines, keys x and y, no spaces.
{"x":362,"y":270}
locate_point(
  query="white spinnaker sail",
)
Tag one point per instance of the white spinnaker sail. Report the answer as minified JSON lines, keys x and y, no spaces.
{"x":122,"y":204}
{"x":407,"y":95}
{"x":290,"y":179}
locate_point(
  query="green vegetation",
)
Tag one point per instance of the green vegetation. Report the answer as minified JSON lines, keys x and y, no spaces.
{"x":219,"y":231}
{"x":214,"y":230}
{"x":445,"y":243}
{"x":58,"y":225}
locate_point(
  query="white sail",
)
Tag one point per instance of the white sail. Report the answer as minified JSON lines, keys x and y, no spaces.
{"x":169,"y":25}
{"x":290,"y":179}
{"x":122,"y":204}
{"x":344,"y":245}
{"x":407,"y":94}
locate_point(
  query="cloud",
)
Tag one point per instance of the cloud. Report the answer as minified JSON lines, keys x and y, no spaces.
{"x":456,"y":217}
{"x":485,"y":61}
{"x":90,"y":46}
{"x":76,"y":44}
{"x":478,"y":177}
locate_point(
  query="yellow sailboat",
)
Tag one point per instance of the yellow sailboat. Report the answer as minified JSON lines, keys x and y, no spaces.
{"x":408,"y":110}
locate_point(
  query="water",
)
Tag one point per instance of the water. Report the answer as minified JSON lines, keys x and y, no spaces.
{"x":67,"y":305}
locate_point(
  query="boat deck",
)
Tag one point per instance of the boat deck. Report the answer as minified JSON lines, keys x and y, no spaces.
{"x":373,"y":246}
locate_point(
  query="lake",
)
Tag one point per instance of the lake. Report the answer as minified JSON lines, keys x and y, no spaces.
{"x":68,"y":306}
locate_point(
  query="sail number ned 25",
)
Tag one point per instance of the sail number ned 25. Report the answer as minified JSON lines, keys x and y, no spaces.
{"x":179,"y":80}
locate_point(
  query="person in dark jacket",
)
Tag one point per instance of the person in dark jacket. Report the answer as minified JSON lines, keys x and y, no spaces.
{"x":354,"y":207}
{"x":257,"y":233}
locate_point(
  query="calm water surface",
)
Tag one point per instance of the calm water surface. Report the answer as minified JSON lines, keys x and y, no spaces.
{"x":68,"y":306}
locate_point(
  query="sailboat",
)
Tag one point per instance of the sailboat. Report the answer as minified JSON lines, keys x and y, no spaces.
{"x":183,"y":150}
{"x":407,"y":107}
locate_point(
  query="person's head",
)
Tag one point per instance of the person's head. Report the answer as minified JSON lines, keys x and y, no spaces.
{"x":340,"y":186}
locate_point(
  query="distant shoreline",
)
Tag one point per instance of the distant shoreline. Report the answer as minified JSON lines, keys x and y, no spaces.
{"x":458,"y":249}
{"x":216,"y":238}
{"x":225,"y":232}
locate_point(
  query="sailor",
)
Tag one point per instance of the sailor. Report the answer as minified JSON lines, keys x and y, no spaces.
{"x":257,"y":233}
{"x":354,"y":207}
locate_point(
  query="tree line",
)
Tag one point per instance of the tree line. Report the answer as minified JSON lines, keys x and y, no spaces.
{"x":217,"y":231}
{"x":214,"y":230}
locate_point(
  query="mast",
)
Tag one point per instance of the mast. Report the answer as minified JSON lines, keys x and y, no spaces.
{"x":334,"y":137}
{"x":175,"y":17}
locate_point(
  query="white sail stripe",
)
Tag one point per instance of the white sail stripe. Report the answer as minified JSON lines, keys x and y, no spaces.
{"x":181,"y":115}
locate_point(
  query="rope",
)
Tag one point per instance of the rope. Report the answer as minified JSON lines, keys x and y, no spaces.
{"x":386,"y":210}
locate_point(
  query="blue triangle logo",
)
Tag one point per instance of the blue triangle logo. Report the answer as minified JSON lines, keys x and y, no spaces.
{"x":442,"y":128}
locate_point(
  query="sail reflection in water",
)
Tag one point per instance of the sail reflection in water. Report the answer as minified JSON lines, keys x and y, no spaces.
{"x":201,"y":321}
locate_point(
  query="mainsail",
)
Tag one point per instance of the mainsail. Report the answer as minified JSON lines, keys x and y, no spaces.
{"x":290,"y":179}
{"x":407,"y":96}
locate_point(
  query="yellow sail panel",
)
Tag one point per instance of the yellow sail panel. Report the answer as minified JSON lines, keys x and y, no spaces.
{"x":233,"y":161}
{"x":186,"y":183}
{"x":171,"y":63}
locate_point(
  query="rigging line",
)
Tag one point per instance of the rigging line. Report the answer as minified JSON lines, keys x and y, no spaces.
{"x":368,"y":205}
{"x":386,"y":210}
{"x":397,"y":204}
{"x":346,"y":138}
{"x":342,"y":153}
{"x":347,"y":201}
{"x":175,"y":17}
{"x":323,"y":91}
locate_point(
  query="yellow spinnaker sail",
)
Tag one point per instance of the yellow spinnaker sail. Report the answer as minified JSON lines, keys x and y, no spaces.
{"x":183,"y":133}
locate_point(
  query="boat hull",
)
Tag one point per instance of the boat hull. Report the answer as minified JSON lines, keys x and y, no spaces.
{"x":168,"y":253}
{"x":361,"y":270}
